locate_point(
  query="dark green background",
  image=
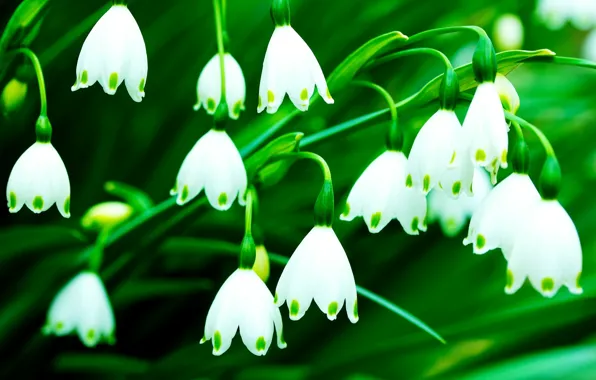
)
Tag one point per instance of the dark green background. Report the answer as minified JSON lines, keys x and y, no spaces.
{"x":162,"y":296}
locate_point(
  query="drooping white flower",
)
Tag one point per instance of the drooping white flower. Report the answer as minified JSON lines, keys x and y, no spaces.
{"x":39,"y":179}
{"x":82,"y":306}
{"x":209,"y":86}
{"x":453,"y":214}
{"x":290,"y":67}
{"x":486,"y":130}
{"x":213,"y":164}
{"x":546,"y":250}
{"x":459,"y":175}
{"x":589,"y":47}
{"x":496,"y":221}
{"x":244,"y":302}
{"x":113,"y":52}
{"x":380,"y":194}
{"x":318,"y":269}
{"x":433,"y":150}
{"x":508,"y":32}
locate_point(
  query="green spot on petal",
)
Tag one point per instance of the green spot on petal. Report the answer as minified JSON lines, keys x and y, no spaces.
{"x":577,"y":279}
{"x":509,"y":279}
{"x":59,"y":326}
{"x":281,"y":337}
{"x":304,"y":94}
{"x":456,"y":188}
{"x":504,"y":156}
{"x":90,"y":334}
{"x":67,"y":205}
{"x":38,"y":203}
{"x":275,"y":299}
{"x":217,"y":340}
{"x":184,"y":194}
{"x":328,"y":94}
{"x":237,"y":108}
{"x":424,"y":222}
{"x":261,"y":344}
{"x":332,"y":309}
{"x":471,"y":188}
{"x":346,"y":210}
{"x":294,"y":308}
{"x":12,"y":200}
{"x":223,"y":199}
{"x":426,"y":183}
{"x":375,"y":219}
{"x":113,"y":81}
{"x":415,"y":224}
{"x":480,"y":155}
{"x":548,"y":284}
{"x":453,"y":157}
{"x":142,"y":85}
{"x":270,"y":96}
{"x":356,"y":309}
{"x":409,"y":181}
{"x":480,"y":241}
{"x":84,"y":77}
{"x":260,"y":104}
{"x":211,"y":105}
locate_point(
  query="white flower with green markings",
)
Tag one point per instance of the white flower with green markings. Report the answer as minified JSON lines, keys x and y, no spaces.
{"x":113,"y":52}
{"x":433,"y":150}
{"x":243,"y":302}
{"x":213,"y":164}
{"x":380,"y":194}
{"x":82,"y":306}
{"x":486,"y":130}
{"x":290,"y":67}
{"x":318,"y":269}
{"x":546,"y":250}
{"x":38,"y":180}
{"x":209,"y":86}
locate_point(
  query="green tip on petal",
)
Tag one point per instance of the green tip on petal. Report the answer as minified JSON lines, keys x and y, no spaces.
{"x":275,"y":298}
{"x":38,"y":203}
{"x":409,"y":181}
{"x":346,"y":210}
{"x":415,"y":224}
{"x":480,"y":155}
{"x":453,"y":158}
{"x":223,"y":199}
{"x":294,"y":308}
{"x":509,"y":279}
{"x":59,"y":326}
{"x":84,"y":77}
{"x":426,"y":183}
{"x":504,"y":156}
{"x":456,"y":188}
{"x":217,"y":341}
{"x":332,"y":309}
{"x":577,"y":280}
{"x":184,"y":194}
{"x":12,"y":200}
{"x":67,"y":205}
{"x":270,"y":96}
{"x":237,"y":108}
{"x":328,"y":94}
{"x":356,"y":309}
{"x":548,"y":284}
{"x":261,"y":344}
{"x":480,"y":241}
{"x":304,"y":94}
{"x":113,"y":81}
{"x":90,"y":336}
{"x":260,"y":103}
{"x":375,"y":220}
{"x":211,"y":105}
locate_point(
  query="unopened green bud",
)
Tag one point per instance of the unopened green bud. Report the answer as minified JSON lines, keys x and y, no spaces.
{"x":43,"y":129}
{"x":395,"y":137}
{"x":484,"y":61}
{"x":280,"y":12}
{"x":521,"y":157}
{"x":106,"y":215}
{"x":261,"y":266}
{"x":13,"y":96}
{"x":324,"y":207}
{"x":248,"y":252}
{"x":550,"y":178}
{"x":449,"y":89}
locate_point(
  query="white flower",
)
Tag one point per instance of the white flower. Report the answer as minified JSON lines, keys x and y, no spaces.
{"x":498,"y":218}
{"x":114,"y":51}
{"x":459,"y":175}
{"x":290,"y":67}
{"x":380,"y":195}
{"x":508,"y":32}
{"x":213,"y":164}
{"x":39,"y":179}
{"x":433,"y":150}
{"x":555,"y":13}
{"x":318,"y":269}
{"x":244,"y":302}
{"x":547,"y":250}
{"x":82,"y":305}
{"x":453,"y":214}
{"x":209,"y":86}
{"x":507,"y":93}
{"x":486,"y":130}
{"x":589,"y":48}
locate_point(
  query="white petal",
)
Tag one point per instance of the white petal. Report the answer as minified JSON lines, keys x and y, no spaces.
{"x":459,"y":176}
{"x":433,"y":150}
{"x":135,"y":70}
{"x":39,"y":179}
{"x":410,"y":210}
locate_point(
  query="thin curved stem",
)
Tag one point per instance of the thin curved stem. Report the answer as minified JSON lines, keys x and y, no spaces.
{"x":384,"y":93}
{"x":404,"y":53}
{"x":40,"y":80}
{"x":548,"y":148}
{"x":439,"y":31}
{"x":248,"y":210}
{"x":306,"y":155}
{"x":220,"y":46}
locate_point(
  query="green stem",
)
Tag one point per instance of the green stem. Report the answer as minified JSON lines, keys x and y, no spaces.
{"x":404,"y":53}
{"x":39,"y":73}
{"x":518,"y":130}
{"x":548,"y":148}
{"x":306,"y":155}
{"x":439,"y":31}
{"x":248,"y":211}
{"x":567,"y":61}
{"x":96,"y":257}
{"x":224,"y":12}
{"x":220,"y":46}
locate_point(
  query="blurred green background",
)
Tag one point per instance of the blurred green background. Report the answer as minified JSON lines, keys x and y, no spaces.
{"x":162,"y":293}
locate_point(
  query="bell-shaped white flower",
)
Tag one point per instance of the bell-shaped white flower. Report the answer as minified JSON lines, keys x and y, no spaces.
{"x":244,"y":302}
{"x":459,"y":175}
{"x":433,"y":150}
{"x":453,"y":214}
{"x":318,"y":269}
{"x":546,"y":250}
{"x":486,"y":130}
{"x":380,"y":194}
{"x":82,"y":306}
{"x":39,"y":179}
{"x":496,"y":221}
{"x":209,"y":86}
{"x":114,"y":51}
{"x":508,"y":32}
{"x":290,"y":67}
{"x":213,"y":164}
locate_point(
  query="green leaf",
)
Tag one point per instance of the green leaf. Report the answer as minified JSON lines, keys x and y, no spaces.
{"x":100,"y":363}
{"x":23,"y":25}
{"x":283,"y":144}
{"x":141,"y":290}
{"x":136,"y":198}
{"x":347,"y":70}
{"x":271,"y":174}
{"x":17,"y":241}
{"x":507,"y":61}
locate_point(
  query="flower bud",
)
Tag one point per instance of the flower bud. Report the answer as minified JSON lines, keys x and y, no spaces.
{"x":280,"y":12}
{"x":484,"y":61}
{"x":13,"y":96}
{"x":106,"y":215}
{"x":550,"y":178}
{"x":261,"y":266}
